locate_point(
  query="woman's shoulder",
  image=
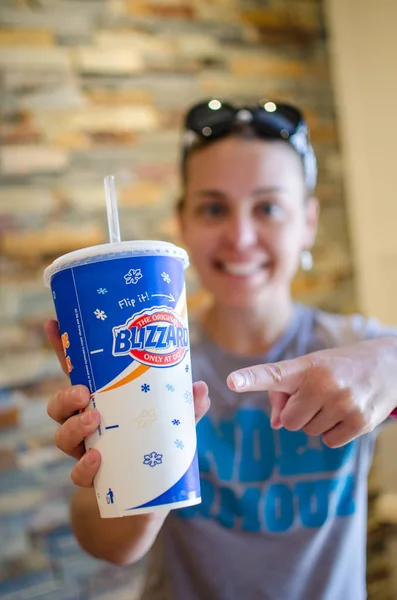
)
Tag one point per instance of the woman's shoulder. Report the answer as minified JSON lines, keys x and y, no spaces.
{"x":343,"y":329}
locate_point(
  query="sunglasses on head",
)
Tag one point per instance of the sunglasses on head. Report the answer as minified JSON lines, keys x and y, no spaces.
{"x":214,"y":119}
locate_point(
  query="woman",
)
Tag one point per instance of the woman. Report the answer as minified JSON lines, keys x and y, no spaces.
{"x":284,"y":474}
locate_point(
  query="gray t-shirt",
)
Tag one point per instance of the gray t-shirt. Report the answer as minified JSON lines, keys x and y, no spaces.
{"x":283,"y":516}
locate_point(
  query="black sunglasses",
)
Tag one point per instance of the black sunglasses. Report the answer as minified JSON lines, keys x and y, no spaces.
{"x":215,"y":119}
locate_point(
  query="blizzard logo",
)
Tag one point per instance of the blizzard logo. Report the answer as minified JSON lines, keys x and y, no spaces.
{"x":157,"y":337}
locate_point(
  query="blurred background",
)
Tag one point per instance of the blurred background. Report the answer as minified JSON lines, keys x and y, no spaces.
{"x":93,"y":87}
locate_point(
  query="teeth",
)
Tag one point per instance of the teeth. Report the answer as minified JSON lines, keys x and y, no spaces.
{"x":240,"y":269}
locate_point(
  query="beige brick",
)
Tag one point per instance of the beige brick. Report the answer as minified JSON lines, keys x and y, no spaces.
{"x":54,"y":241}
{"x":83,"y":198}
{"x":305,"y":284}
{"x":20,"y":80}
{"x":158,"y":172}
{"x":35,"y":59}
{"x":119,"y":96}
{"x":199,"y":47}
{"x":325,"y":133}
{"x":173,"y":9}
{"x":90,"y":199}
{"x":104,"y":61}
{"x":135,"y":42}
{"x":63,"y":95}
{"x":19,"y":131}
{"x":282,"y":19}
{"x":54,"y":125}
{"x":226,"y":85}
{"x":26,"y":200}
{"x":255,"y":65}
{"x":141,"y":194}
{"x":221,"y":11}
{"x":26,"y":37}
{"x":117,"y":138}
{"x":64,"y":17}
{"x":169,"y":228}
{"x":71,"y":140}
{"x":27,"y":160}
{"x":332,"y":258}
{"x":11,"y":336}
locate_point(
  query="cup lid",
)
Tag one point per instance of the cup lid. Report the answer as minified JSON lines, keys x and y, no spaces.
{"x":103,"y":252}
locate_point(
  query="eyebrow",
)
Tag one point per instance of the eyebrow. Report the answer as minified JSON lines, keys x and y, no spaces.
{"x":258,"y":192}
{"x":268,"y":190}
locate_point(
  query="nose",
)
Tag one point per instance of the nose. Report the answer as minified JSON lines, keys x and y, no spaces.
{"x":241,"y":230}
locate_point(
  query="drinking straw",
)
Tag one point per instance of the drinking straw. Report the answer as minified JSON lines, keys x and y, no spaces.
{"x":111,"y":209}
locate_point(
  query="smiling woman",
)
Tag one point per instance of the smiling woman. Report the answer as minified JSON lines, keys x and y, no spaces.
{"x":245,"y":220}
{"x":283,"y":474}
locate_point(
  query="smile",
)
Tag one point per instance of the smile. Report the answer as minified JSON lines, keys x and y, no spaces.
{"x":240,"y":269}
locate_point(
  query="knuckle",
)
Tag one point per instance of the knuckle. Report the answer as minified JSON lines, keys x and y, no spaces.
{"x":310,"y":429}
{"x":55,"y":404}
{"x":49,"y":409}
{"x":345,"y":402}
{"x":360,"y":420}
{"x":290,"y":422}
{"x":76,"y":477}
{"x":330,"y":441}
{"x":79,"y":475}
{"x":58,"y":401}
{"x":64,"y":437}
{"x":276,"y":372}
{"x":58,"y":438}
{"x":251,"y":376}
{"x":81,"y":394}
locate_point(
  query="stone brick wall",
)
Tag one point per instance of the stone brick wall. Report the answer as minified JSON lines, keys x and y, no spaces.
{"x":92,"y":87}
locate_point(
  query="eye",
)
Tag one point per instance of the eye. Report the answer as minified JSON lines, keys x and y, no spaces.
{"x":212,"y":209}
{"x":270,"y":209}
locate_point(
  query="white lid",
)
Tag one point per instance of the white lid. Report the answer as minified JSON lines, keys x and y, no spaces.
{"x":85,"y":256}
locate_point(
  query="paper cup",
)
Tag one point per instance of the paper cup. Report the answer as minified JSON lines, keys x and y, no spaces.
{"x":123,"y":320}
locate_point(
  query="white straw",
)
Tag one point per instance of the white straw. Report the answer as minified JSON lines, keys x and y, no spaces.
{"x":111,"y":209}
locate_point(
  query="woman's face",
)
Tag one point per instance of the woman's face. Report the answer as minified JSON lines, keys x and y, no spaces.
{"x":245,"y":219}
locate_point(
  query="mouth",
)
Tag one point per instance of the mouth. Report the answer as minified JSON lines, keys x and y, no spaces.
{"x":241,"y":269}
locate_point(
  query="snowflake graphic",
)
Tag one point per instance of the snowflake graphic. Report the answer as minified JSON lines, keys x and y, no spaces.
{"x":100,"y":314}
{"x":133,"y":276}
{"x":146,"y":418}
{"x":179,"y":444}
{"x":152,"y":459}
{"x":176,"y":422}
{"x":102,"y":291}
{"x":188,"y":397}
{"x":166,"y":277}
{"x":145,"y":388}
{"x":187,"y":369}
{"x":170,"y":387}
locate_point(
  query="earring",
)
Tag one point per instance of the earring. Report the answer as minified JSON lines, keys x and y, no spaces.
{"x":306,"y":260}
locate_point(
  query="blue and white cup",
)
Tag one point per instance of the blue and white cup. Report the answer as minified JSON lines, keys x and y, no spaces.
{"x":123,"y":319}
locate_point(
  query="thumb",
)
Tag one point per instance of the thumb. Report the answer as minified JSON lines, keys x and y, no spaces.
{"x":285,"y":376}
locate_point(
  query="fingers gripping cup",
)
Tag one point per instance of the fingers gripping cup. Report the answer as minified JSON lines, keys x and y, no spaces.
{"x":122,"y":314}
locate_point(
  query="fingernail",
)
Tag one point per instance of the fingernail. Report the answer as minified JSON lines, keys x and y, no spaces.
{"x":76,"y":394}
{"x":239,"y":380}
{"x":90,"y":458}
{"x":86,"y":418}
{"x":275,"y":423}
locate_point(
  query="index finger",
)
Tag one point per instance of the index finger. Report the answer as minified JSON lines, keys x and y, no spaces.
{"x":51,"y":328}
{"x":284,"y":376}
